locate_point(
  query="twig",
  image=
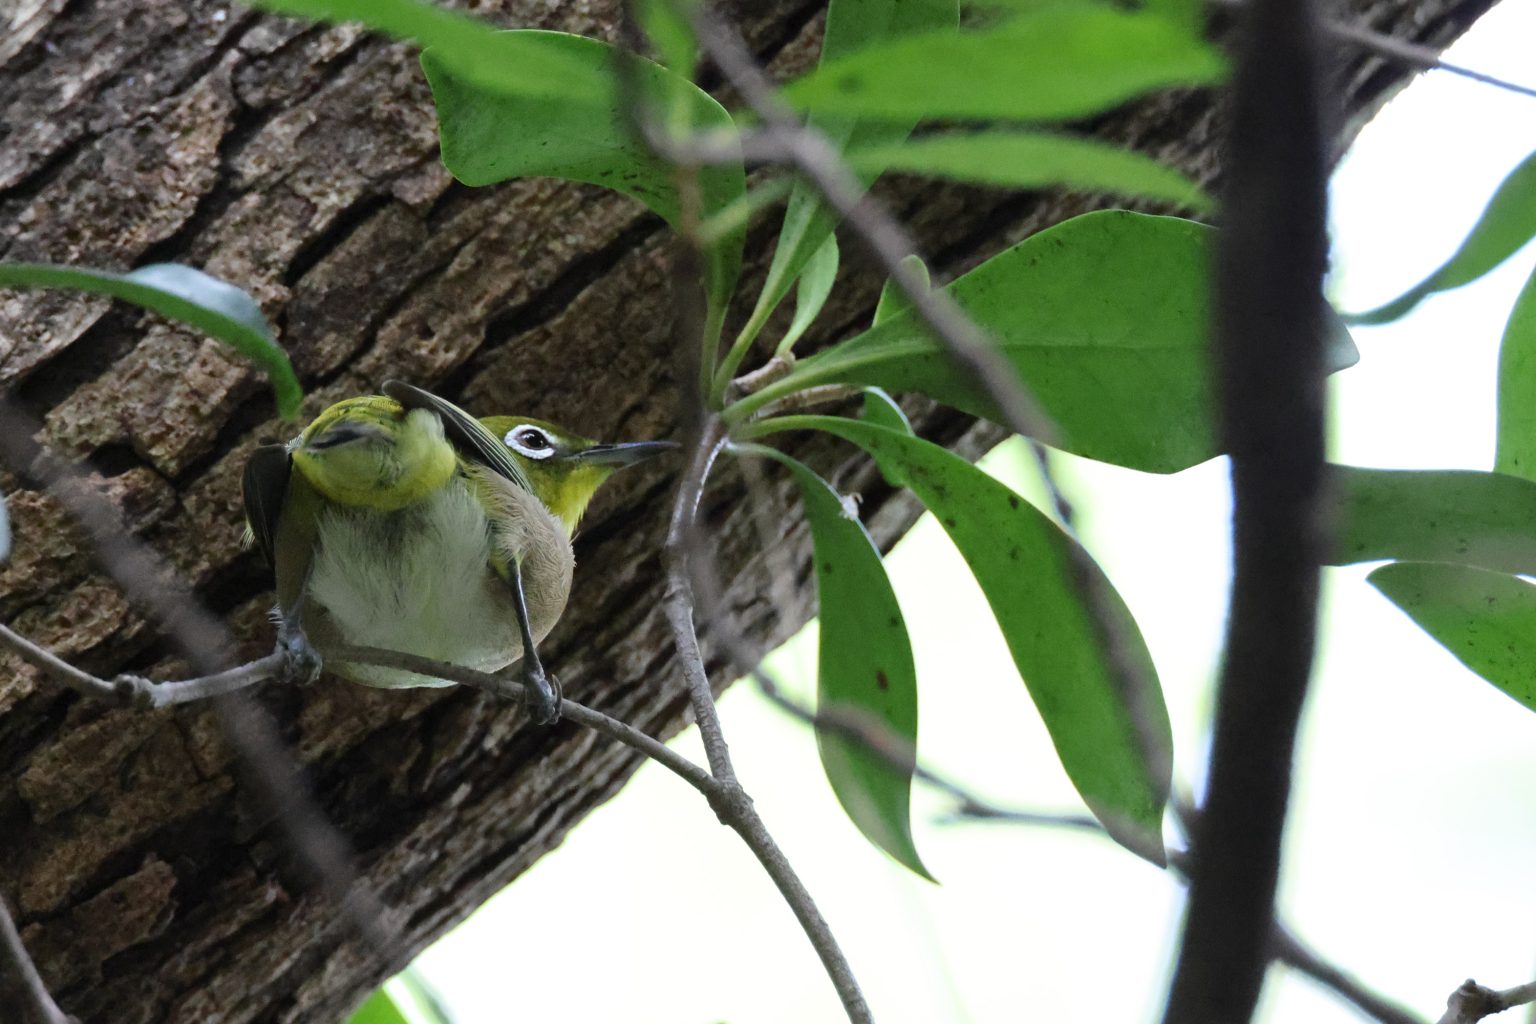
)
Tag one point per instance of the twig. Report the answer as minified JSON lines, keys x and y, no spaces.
{"x":1269,"y":348}
{"x":319,"y":847}
{"x":25,"y":984}
{"x":1289,"y":950}
{"x":1472,"y":1002}
{"x":1402,"y":51}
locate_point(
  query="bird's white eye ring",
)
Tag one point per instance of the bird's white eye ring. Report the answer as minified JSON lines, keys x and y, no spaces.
{"x":530,"y":441}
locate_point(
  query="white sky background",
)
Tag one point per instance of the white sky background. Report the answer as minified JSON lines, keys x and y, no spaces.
{"x":1412,"y":835}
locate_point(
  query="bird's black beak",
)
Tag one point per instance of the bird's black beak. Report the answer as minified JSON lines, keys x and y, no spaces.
{"x":620,"y":455}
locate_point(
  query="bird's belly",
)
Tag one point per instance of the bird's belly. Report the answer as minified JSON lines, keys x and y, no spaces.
{"x":417,"y":581}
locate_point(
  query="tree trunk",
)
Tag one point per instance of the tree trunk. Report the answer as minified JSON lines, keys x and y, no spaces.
{"x":301,"y":163}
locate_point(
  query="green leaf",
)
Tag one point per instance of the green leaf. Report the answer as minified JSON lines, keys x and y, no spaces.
{"x":1486,"y":619}
{"x":1515,"y":453}
{"x":1054,"y":64}
{"x":181,"y":293}
{"x":489,"y":137}
{"x":1441,"y":515}
{"x":1507,"y":224}
{"x":881,"y":409}
{"x":1035,"y":160}
{"x":476,"y":51}
{"x":811,"y":295}
{"x":864,"y":665}
{"x":852,"y":25}
{"x":892,"y":299}
{"x":1105,"y":317}
{"x":1024,"y":564}
{"x":379,"y":1009}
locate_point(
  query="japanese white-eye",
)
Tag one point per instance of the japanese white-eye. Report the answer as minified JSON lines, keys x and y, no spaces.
{"x":399,"y":521}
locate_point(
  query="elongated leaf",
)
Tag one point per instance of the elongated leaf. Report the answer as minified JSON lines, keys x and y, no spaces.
{"x":1054,"y":64}
{"x":852,"y":25}
{"x":1105,"y":317}
{"x":5,"y":531}
{"x":892,"y":299}
{"x":489,"y":136}
{"x":811,"y":295}
{"x":1507,"y":224}
{"x":190,"y":296}
{"x":474,"y":48}
{"x":1486,"y":619}
{"x":1034,"y":160}
{"x":1022,"y":561}
{"x":864,"y":665}
{"x":379,"y":1009}
{"x":881,"y":409}
{"x":1440,"y":515}
{"x":1516,"y":450}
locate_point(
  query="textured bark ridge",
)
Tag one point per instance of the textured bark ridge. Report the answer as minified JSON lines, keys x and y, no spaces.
{"x":301,"y":162}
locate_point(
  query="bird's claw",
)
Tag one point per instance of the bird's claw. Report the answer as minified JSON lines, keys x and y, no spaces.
{"x":301,"y":662}
{"x":541,"y":695}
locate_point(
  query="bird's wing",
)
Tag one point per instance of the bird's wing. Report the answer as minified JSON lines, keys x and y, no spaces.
{"x":467,"y":433}
{"x":264,"y":487}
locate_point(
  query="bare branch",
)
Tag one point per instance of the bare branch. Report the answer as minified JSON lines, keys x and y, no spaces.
{"x":1472,"y":1002}
{"x":22,"y":981}
{"x":1270,"y":339}
{"x":1289,"y":950}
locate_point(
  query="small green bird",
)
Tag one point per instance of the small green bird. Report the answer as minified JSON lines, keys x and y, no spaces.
{"x":411,"y":526}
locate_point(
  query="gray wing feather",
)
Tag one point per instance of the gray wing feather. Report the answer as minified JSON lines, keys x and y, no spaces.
{"x":264,"y":486}
{"x":467,"y":433}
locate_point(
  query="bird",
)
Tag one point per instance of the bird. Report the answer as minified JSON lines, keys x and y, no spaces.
{"x":402,"y":522}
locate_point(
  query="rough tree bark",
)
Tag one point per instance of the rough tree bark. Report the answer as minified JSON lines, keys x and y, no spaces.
{"x":301,"y":163}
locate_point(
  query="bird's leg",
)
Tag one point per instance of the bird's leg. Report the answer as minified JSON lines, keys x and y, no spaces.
{"x":541,"y":695}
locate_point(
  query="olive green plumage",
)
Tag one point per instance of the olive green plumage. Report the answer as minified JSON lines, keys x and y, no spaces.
{"x":399,"y":521}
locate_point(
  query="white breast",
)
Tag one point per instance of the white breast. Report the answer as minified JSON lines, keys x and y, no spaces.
{"x":418,"y":581}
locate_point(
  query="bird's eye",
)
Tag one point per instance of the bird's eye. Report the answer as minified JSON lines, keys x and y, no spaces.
{"x":531,"y":441}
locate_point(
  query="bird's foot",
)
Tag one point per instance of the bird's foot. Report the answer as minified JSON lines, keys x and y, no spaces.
{"x":541,"y":694}
{"x":301,"y":662}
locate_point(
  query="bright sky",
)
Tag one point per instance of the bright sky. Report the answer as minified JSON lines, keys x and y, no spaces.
{"x":1412,"y":836}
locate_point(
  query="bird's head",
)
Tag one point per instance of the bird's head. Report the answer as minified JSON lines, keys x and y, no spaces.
{"x":372,"y":452}
{"x":565,"y":469}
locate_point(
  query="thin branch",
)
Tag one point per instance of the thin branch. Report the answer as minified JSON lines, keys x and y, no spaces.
{"x":198,"y":636}
{"x":1472,"y":1002}
{"x":24,"y":983}
{"x":1400,"y":51}
{"x":679,"y":598}
{"x":1289,"y":950}
{"x":1269,"y":343}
